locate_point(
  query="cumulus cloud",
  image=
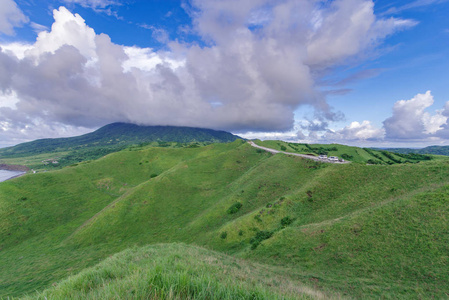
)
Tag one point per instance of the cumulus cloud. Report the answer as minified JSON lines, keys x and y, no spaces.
{"x":411,"y":121}
{"x":10,"y":16}
{"x":356,"y":131}
{"x":259,"y":62}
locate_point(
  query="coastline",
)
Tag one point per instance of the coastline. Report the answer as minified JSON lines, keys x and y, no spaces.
{"x":14,"y":168}
{"x":18,"y":175}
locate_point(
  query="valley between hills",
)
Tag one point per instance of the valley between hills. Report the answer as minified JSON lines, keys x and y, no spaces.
{"x":227,"y":221}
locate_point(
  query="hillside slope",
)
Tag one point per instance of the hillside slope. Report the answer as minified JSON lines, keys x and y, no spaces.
{"x":363,"y":231}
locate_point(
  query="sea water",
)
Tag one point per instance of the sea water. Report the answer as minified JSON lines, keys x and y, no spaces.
{"x":5,"y":174}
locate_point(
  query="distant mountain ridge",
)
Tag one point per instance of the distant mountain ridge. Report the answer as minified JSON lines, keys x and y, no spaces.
{"x":435,"y":150}
{"x":119,"y":135}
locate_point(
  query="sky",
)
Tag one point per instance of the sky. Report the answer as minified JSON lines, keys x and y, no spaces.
{"x":355,"y":72}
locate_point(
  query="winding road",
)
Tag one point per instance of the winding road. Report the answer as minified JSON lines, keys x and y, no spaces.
{"x":297,"y":154}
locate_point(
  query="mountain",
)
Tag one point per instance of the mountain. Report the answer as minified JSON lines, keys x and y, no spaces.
{"x":48,"y":154}
{"x":117,"y":135}
{"x":185,"y":222}
{"x":435,"y":150}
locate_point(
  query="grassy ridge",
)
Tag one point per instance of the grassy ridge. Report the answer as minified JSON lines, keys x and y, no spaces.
{"x":177,"y":271}
{"x":354,"y":154}
{"x":434,"y":150}
{"x":349,"y":228}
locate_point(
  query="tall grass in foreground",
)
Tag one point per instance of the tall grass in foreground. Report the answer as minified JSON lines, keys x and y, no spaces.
{"x":176,"y":271}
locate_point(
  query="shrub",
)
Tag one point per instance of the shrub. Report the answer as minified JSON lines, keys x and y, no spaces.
{"x":224,"y":235}
{"x":286,"y":221}
{"x":153,"y":175}
{"x":373,"y":162}
{"x":234,"y":208}
{"x":260,"y":236}
{"x":283,"y":148}
{"x":347,"y":156}
{"x":240,"y":232}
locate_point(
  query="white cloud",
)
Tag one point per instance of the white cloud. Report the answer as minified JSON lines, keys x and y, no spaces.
{"x":411,"y":121}
{"x":38,"y":27}
{"x":356,"y":132}
{"x":10,"y":16}
{"x":246,"y":79}
{"x":16,"y":49}
{"x":99,"y":6}
{"x":347,"y":28}
{"x":8,"y":99}
{"x":68,"y":29}
{"x":412,"y":5}
{"x":93,"y":3}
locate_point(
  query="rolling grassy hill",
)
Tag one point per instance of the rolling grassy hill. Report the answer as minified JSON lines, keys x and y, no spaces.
{"x":354,"y":154}
{"x":364,"y":231}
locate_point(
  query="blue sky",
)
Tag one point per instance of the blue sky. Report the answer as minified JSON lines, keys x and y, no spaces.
{"x":358,"y":72}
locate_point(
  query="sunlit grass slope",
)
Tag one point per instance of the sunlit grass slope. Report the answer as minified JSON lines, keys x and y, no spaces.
{"x":177,"y":271}
{"x":359,"y":230}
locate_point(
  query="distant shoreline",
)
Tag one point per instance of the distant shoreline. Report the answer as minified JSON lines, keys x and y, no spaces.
{"x":18,"y":175}
{"x":14,"y":168}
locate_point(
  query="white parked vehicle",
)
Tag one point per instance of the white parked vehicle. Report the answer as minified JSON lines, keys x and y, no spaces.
{"x":322,"y":157}
{"x":333,"y":158}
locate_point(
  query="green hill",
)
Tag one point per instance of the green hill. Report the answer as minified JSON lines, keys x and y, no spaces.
{"x":177,"y":271}
{"x":434,"y":150}
{"x":354,"y":154}
{"x":107,"y":139}
{"x":364,"y":231}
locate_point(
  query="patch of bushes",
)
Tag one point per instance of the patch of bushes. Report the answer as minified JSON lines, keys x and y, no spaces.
{"x":286,"y":221}
{"x":234,"y":208}
{"x":283,"y":148}
{"x":260,"y":236}
{"x":373,"y":162}
{"x":153,"y":175}
{"x":347,"y":156}
{"x":224,"y":235}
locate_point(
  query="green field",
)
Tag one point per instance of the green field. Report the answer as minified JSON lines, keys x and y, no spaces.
{"x":284,"y":227}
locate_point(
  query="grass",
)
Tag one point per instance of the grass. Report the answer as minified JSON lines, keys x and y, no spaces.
{"x":353,"y":230}
{"x":176,"y":271}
